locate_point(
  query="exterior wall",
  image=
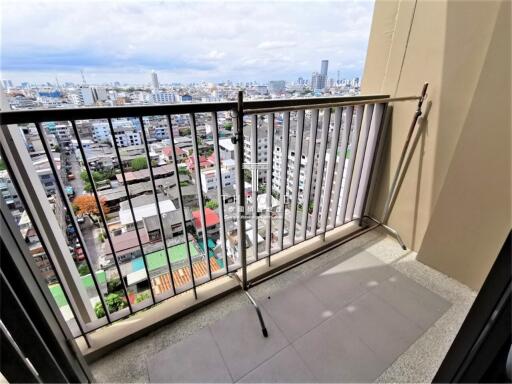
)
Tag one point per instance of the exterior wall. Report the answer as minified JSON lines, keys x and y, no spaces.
{"x":454,"y":205}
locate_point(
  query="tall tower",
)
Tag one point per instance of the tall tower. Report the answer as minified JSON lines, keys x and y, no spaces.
{"x":325,"y":65}
{"x":154,"y":81}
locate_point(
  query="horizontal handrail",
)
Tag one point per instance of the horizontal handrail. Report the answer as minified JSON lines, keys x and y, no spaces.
{"x":345,"y":103}
{"x":67,"y":114}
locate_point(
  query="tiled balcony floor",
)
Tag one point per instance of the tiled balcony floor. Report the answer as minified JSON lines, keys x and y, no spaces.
{"x":366,"y":311}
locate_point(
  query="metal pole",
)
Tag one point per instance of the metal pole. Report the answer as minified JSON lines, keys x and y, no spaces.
{"x":101,"y":212}
{"x":270,"y":148}
{"x":347,"y":124}
{"x":299,"y":137}
{"x":238,"y":140}
{"x":395,"y":186}
{"x":253,"y":302}
{"x":330,"y":171}
{"x":284,"y":175}
{"x":182,"y":207}
{"x":215,"y":132}
{"x":157,"y":203}
{"x":320,"y":168}
{"x":128,"y":198}
{"x":69,"y":211}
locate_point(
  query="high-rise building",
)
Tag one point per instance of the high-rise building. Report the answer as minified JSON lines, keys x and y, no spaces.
{"x":324,"y":68}
{"x":318,"y":81}
{"x":277,"y":87}
{"x":154,"y":81}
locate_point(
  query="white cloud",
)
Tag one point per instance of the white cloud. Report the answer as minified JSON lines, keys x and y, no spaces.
{"x":182,"y":41}
{"x":276,"y":44}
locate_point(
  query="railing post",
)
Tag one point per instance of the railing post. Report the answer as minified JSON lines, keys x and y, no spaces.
{"x":23,"y":170}
{"x":238,"y":140}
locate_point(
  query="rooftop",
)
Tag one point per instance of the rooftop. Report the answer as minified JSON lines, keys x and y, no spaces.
{"x":144,"y":206}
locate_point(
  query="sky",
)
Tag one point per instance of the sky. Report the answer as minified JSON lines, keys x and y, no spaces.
{"x":183,"y":42}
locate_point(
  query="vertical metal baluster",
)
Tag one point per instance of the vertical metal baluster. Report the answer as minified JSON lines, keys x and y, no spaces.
{"x":238,"y":139}
{"x":284,"y":173}
{"x":254,"y":182}
{"x":330,"y":170}
{"x":379,"y":126}
{"x":270,"y":148}
{"x":220,"y":195}
{"x":299,"y":136}
{"x":157,"y":203}
{"x":349,"y":112}
{"x":321,"y":167}
{"x":359,"y":161}
{"x":100,"y":209}
{"x":309,"y":173}
{"x":182,"y":207}
{"x":45,"y":248}
{"x":69,"y":211}
{"x":200,"y":198}
{"x":128,"y":198}
{"x":348,"y":179}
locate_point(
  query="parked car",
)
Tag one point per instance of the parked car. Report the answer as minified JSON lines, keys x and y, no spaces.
{"x":71,"y":177}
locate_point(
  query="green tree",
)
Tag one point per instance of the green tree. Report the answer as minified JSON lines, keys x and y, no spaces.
{"x":212,"y":204}
{"x":247,"y":175}
{"x":185,"y":131}
{"x":2,"y":165}
{"x":83,"y":269}
{"x":141,"y":297}
{"x":228,"y":125}
{"x":139,"y":163}
{"x":114,"y":303}
{"x":97,"y":176}
{"x":183,"y":171}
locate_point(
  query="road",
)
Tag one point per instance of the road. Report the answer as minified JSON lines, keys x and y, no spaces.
{"x":90,"y":233}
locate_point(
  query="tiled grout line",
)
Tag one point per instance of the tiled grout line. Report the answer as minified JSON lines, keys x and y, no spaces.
{"x":220,"y":352}
{"x":271,"y":357}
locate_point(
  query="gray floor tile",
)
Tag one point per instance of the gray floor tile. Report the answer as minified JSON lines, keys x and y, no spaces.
{"x":285,"y":367}
{"x":241,"y":342}
{"x":366,"y":268}
{"x":333,"y":353}
{"x":412,"y":300}
{"x":296,"y":311}
{"x":197,"y":359}
{"x":381,"y":327}
{"x":335,"y":290}
{"x":339,"y":284}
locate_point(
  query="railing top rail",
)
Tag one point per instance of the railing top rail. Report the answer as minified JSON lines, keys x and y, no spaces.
{"x":329,"y":104}
{"x":68,"y":114}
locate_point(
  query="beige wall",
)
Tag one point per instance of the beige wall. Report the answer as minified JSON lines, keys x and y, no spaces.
{"x":454,"y":206}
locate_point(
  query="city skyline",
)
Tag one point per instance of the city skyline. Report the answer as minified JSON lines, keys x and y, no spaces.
{"x":228,"y":41}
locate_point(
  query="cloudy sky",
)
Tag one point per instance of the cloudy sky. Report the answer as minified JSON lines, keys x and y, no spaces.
{"x":183,"y":41}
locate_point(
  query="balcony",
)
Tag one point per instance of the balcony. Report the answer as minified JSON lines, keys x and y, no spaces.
{"x":353,"y":293}
{"x":303,"y":309}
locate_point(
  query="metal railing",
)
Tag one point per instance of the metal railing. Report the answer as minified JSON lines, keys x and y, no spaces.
{"x":326,"y":151}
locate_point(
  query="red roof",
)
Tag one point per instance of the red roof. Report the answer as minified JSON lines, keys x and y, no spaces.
{"x":167,"y":151}
{"x":212,"y":218}
{"x":203,"y":162}
{"x":180,"y":151}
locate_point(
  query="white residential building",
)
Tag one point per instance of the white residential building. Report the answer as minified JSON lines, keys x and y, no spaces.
{"x":209,"y":180}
